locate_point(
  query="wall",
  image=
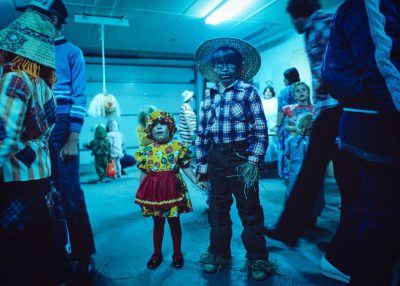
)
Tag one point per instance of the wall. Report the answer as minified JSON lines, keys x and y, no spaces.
{"x":136,"y":83}
{"x":290,"y":52}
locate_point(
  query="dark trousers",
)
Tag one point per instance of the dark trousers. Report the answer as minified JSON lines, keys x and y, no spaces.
{"x":65,"y":178}
{"x":309,"y":182}
{"x":26,"y":235}
{"x":224,"y":181}
{"x":372,"y":222}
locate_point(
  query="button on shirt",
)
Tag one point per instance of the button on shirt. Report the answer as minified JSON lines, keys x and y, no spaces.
{"x":231,"y":115}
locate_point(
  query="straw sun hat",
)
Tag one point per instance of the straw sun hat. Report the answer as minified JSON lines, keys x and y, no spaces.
{"x":251,"y":59}
{"x":30,"y":36}
{"x":186,"y":95}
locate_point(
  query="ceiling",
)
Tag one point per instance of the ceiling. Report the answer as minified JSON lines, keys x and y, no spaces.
{"x":170,"y":28}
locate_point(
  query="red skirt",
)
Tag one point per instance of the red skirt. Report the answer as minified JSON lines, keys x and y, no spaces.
{"x":160,"y":190}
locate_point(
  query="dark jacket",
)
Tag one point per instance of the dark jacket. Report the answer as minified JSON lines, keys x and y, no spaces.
{"x":362,"y":69}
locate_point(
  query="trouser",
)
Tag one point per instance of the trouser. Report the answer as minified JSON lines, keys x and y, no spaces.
{"x":373,"y":218}
{"x":101,"y":162}
{"x":66,"y":179}
{"x":309,"y":182}
{"x":26,"y":235}
{"x":225,"y":182}
{"x":127,"y":161}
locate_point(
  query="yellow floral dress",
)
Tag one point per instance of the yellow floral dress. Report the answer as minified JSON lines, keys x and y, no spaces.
{"x":163,"y":159}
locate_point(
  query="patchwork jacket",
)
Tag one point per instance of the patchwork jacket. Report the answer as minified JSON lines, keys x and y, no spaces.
{"x":27,"y":116}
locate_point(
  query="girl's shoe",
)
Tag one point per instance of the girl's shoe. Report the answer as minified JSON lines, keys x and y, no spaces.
{"x":155,"y":261}
{"x":177,"y":260}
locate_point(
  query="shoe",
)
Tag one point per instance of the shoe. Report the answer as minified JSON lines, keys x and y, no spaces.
{"x":177,"y":260}
{"x":273,"y":232}
{"x":84,"y":273}
{"x":330,"y":271}
{"x":155,"y":261}
{"x":259,"y":269}
{"x":212,"y":263}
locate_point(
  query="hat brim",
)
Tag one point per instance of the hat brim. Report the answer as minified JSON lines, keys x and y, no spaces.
{"x":251,"y":60}
{"x":29,"y":37}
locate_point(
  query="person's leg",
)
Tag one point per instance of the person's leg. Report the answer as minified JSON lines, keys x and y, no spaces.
{"x":118,"y":167}
{"x":176,"y":233}
{"x":341,"y":248}
{"x":66,"y":180}
{"x":220,"y":204}
{"x":310,"y":179}
{"x":378,"y":241}
{"x":158,"y":235}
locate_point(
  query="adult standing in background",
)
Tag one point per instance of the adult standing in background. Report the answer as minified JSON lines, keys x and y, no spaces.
{"x":187,"y":119}
{"x":314,"y":23}
{"x":362,"y":70}
{"x":270,"y":106}
{"x":286,"y":97}
{"x":27,"y":115}
{"x":70,"y":94}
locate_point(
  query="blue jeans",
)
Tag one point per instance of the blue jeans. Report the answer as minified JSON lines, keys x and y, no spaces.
{"x":369,"y":227}
{"x":225,"y":183}
{"x":65,"y":178}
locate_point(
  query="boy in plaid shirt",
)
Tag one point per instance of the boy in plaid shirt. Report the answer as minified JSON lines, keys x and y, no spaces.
{"x":231,"y":142}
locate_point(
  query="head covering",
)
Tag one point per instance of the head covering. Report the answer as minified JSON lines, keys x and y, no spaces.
{"x":251,"y":60}
{"x":162,"y":117}
{"x":48,"y":7}
{"x":186,"y":95}
{"x":30,"y":36}
{"x":100,"y":132}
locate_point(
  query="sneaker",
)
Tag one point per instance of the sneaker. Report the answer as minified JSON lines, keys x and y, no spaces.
{"x":259,"y":269}
{"x":330,"y":271}
{"x":212,"y":263}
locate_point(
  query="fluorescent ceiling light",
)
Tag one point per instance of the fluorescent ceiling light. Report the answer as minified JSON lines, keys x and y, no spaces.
{"x":102,"y":20}
{"x":209,"y":7}
{"x":227,"y":11}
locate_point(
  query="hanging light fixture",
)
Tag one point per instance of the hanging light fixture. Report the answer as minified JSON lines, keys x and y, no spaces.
{"x":103,"y":104}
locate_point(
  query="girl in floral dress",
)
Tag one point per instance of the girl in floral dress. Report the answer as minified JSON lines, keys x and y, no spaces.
{"x":162,"y":192}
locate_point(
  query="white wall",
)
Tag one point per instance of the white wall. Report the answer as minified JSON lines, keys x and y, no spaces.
{"x":136,"y":83}
{"x":275,"y":60}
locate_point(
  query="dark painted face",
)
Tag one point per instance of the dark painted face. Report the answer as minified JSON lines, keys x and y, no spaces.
{"x":226,"y":65}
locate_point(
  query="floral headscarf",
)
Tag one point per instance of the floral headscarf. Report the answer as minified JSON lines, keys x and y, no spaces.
{"x":162,"y":117}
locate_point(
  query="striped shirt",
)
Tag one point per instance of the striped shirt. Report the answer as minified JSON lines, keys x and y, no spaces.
{"x":232,"y":116}
{"x":187,"y":123}
{"x":27,"y":115}
{"x":70,"y":90}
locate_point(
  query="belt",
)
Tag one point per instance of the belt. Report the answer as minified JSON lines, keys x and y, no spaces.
{"x":230,"y":146}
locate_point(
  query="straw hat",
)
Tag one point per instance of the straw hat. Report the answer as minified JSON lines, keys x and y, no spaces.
{"x":30,"y":36}
{"x":48,"y":7}
{"x":186,"y":95}
{"x":251,"y":59}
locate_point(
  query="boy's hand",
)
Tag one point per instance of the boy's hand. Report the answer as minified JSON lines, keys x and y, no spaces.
{"x":202,"y":185}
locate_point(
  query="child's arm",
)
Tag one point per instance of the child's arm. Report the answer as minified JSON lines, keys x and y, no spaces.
{"x":279,"y":120}
{"x":192,"y":177}
{"x":142,"y":176}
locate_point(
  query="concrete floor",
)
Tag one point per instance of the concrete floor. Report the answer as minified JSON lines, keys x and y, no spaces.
{"x":124,"y":239}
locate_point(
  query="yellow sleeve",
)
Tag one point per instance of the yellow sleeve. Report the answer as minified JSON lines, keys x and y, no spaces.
{"x":184,"y":155}
{"x":142,"y":136}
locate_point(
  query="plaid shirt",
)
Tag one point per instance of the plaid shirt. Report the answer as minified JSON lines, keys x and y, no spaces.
{"x":232,"y":116}
{"x":316,"y":37}
{"x":27,"y":115}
